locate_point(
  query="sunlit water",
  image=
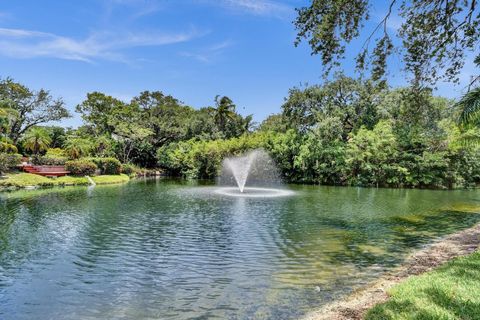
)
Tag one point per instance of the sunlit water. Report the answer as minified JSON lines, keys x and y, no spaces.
{"x":169,"y":250}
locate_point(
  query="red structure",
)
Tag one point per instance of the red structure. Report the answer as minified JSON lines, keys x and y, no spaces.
{"x":47,"y":171}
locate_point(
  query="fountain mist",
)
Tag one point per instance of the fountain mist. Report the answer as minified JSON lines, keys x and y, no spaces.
{"x":255,"y":168}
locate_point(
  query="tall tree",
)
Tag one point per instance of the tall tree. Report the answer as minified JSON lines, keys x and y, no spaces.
{"x":96,"y":111}
{"x":351,"y":101}
{"x":225,"y":111}
{"x":32,"y":107}
{"x":435,"y":35}
{"x":7,"y":115}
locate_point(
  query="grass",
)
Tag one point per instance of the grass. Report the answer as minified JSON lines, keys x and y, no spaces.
{"x":22,"y":180}
{"x":451,"y":291}
{"x":110,"y":179}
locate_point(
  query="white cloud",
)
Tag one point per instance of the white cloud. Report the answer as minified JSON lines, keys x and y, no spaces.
{"x":22,"y":43}
{"x":138,"y":8}
{"x":256,"y":7}
{"x":208,"y":54}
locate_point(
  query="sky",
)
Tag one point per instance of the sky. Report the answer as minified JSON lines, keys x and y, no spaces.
{"x":191,"y":49}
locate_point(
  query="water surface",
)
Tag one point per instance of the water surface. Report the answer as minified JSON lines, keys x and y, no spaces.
{"x":170,"y":250}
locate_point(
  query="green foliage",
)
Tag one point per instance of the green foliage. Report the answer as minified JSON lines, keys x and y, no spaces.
{"x":202,"y":159}
{"x":348,"y":133}
{"x":448,"y":292}
{"x":81,"y":167}
{"x":107,"y":165}
{"x":470,"y":105}
{"x":9,"y":161}
{"x":434,"y":35}
{"x":53,"y":157}
{"x":37,"y":140}
{"x":77,"y":147}
{"x":31,"y":108}
{"x":6,"y":147}
{"x":130,"y":169}
{"x":351,"y":101}
{"x":133,"y":131}
{"x":58,"y":136}
{"x":274,"y":123}
{"x":372,"y":157}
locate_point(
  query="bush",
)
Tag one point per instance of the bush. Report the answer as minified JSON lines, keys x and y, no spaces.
{"x":129,"y":169}
{"x":6,"y":147}
{"x":51,"y":161}
{"x":9,"y":161}
{"x":55,"y":152}
{"x":107,"y":165}
{"x":81,"y":167}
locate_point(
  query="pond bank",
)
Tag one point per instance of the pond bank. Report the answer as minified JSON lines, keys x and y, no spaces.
{"x":28,"y":180}
{"x":356,"y":305}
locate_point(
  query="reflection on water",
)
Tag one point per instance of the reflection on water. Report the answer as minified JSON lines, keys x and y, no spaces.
{"x":168,"y":250}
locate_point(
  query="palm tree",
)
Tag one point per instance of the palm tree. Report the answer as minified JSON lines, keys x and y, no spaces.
{"x":225,"y":111}
{"x":76,"y":147}
{"x":37,"y":140}
{"x":470,"y":105}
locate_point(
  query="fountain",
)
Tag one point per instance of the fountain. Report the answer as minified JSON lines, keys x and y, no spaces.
{"x":255,"y":167}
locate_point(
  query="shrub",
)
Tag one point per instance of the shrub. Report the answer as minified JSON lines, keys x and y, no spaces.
{"x":9,"y":161}
{"x":55,"y":152}
{"x":51,"y":161}
{"x":107,"y":165}
{"x":53,"y":157}
{"x":130,"y":169}
{"x":81,"y":167}
{"x":6,"y":147}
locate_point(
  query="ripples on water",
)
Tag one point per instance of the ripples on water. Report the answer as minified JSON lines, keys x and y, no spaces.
{"x":166,"y":250}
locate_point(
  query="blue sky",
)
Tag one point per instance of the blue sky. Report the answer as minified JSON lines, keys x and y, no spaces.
{"x":191,"y":49}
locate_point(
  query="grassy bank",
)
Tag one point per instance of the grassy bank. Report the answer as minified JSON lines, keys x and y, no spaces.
{"x":451,"y":291}
{"x":22,"y":180}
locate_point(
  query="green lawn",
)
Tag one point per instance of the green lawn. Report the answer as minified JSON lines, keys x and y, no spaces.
{"x":109,"y":179}
{"x":22,"y":180}
{"x":451,"y":291}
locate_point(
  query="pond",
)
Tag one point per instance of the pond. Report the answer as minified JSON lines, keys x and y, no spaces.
{"x":165,"y":249}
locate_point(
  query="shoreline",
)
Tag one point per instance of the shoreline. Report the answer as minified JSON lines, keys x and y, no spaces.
{"x":355,"y":305}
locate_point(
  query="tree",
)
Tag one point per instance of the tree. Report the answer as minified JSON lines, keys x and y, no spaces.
{"x":37,"y":140}
{"x":7,"y":115}
{"x":435,"y":35}
{"x":96,"y":111}
{"x":470,"y":105}
{"x":77,"y":147}
{"x":372,"y":156}
{"x":128,"y":129}
{"x":32,"y":107}
{"x":58,"y":136}
{"x":148,"y":100}
{"x":225,"y":111}
{"x":352,"y":101}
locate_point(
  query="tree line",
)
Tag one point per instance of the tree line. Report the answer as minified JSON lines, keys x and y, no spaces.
{"x":344,"y":132}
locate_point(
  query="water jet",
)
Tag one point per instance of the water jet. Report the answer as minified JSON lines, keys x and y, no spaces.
{"x":255,"y":167}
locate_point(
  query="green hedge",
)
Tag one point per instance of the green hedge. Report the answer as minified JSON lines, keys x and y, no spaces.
{"x":81,"y":167}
